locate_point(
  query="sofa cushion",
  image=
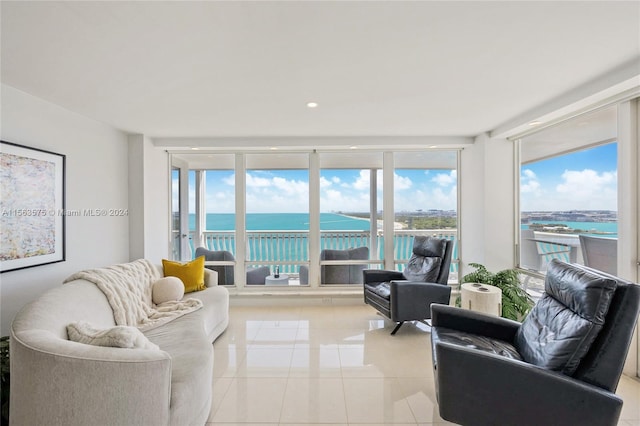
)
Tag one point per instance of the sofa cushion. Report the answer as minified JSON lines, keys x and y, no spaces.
{"x":215,"y":310}
{"x":381,"y":289}
{"x":167,"y":289}
{"x":475,"y":341}
{"x":191,"y":273}
{"x":191,"y":365}
{"x":561,"y":327}
{"x":120,"y":336}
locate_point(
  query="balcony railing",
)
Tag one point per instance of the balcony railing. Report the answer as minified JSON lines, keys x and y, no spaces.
{"x":289,"y":249}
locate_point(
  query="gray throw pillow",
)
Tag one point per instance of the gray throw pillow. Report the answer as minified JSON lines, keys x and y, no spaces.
{"x":422,"y":269}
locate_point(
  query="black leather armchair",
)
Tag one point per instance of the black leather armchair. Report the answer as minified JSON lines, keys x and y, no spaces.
{"x":407,"y":296}
{"x":561,"y":366}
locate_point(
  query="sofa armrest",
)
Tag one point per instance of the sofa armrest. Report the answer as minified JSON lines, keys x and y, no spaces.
{"x":473,"y":322}
{"x":210,"y":278}
{"x":53,"y":381}
{"x":480,"y":388}
{"x":380,"y":276}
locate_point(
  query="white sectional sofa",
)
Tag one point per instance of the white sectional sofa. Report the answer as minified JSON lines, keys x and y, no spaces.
{"x":55,"y":381}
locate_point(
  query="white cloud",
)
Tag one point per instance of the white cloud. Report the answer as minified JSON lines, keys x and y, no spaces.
{"x":230,"y":180}
{"x":401,"y":183}
{"x":529,"y":183}
{"x":325,"y":183}
{"x":588,"y":189}
{"x":175,"y":191}
{"x":363,"y":180}
{"x":576,"y":190}
{"x":333,"y":200}
{"x":445,"y":179}
{"x":222,"y":201}
{"x":274,"y":194}
{"x":257,"y":182}
{"x":586,"y":181}
{"x":429,"y":197}
{"x":532,"y":186}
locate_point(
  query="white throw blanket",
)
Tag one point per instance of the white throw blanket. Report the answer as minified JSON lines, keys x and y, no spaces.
{"x":128,"y":287}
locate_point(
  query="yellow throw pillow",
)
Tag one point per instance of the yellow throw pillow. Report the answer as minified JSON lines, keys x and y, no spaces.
{"x":191,"y":273}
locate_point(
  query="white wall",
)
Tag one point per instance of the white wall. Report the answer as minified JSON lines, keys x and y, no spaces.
{"x":487,"y":205}
{"x":157,"y":191}
{"x":149,"y":192}
{"x":96,"y":177}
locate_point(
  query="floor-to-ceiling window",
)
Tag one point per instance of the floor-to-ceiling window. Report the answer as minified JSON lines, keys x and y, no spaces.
{"x":425,"y":200}
{"x":350,"y":215}
{"x":280,"y":214}
{"x":212,"y":218}
{"x":176,"y":250}
{"x":569,"y":193}
{"x":277,"y":215}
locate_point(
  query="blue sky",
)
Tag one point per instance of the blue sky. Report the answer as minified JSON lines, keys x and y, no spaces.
{"x":582,"y":180}
{"x":274,"y":191}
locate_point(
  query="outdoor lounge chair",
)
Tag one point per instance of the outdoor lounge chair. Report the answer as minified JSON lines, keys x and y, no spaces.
{"x":600,"y":253}
{"x":255,"y":276}
{"x":339,"y":274}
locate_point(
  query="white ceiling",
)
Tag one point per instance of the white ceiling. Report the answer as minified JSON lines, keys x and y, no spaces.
{"x":247,"y":69}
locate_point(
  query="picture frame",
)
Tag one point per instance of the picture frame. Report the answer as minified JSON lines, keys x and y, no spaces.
{"x":32,"y":207}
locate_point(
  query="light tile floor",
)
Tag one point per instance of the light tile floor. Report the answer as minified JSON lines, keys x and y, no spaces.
{"x":332,"y":365}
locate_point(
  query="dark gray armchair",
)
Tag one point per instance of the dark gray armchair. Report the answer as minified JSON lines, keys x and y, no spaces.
{"x":561,"y":366}
{"x":407,"y":296}
{"x":339,"y":274}
{"x":255,"y":276}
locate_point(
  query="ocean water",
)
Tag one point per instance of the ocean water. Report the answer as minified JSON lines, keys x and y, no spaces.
{"x":282,"y":222}
{"x":600,"y":229}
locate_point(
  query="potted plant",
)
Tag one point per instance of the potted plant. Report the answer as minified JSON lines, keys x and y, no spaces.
{"x":516,"y":302}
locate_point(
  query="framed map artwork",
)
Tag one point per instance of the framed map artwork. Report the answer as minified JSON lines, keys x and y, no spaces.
{"x":32,"y":207}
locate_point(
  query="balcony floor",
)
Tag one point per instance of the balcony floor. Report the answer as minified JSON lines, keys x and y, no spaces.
{"x":332,"y":365}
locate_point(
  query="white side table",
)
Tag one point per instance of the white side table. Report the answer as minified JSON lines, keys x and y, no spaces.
{"x":481,"y":298}
{"x":283,"y":279}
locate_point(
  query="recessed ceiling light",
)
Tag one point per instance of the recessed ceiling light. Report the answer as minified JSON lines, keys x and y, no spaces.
{"x":195,"y":148}
{"x":273,"y":148}
{"x":353,"y":147}
{"x":433,"y":146}
{"x":535,"y":123}
{"x":312,"y":104}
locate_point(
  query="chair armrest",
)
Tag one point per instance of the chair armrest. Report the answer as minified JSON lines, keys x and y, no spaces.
{"x":210,"y":278}
{"x":380,"y":276}
{"x":474,"y":322}
{"x":479,"y":388}
{"x":408,"y":289}
{"x":412,"y":300}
